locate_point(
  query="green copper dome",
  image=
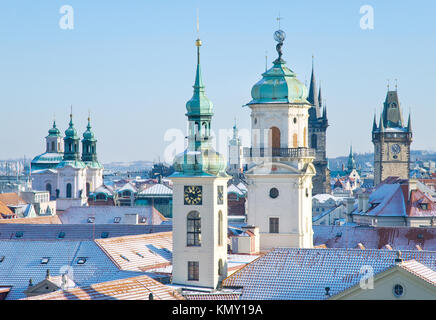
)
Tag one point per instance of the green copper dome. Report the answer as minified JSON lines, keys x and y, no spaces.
{"x":279,"y":84}
{"x":88,"y":134}
{"x":54,"y":131}
{"x":71,"y":131}
{"x":206,"y":161}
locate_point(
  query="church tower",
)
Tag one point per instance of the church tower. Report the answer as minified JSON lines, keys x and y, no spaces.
{"x":71,"y":172}
{"x":280,"y":168}
{"x":318,"y":124}
{"x":94,"y":174}
{"x":391,"y":139}
{"x":235,"y":155}
{"x":199,"y":199}
{"x":54,"y":140}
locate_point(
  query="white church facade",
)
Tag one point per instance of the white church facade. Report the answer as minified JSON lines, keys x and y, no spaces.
{"x":68,"y":176}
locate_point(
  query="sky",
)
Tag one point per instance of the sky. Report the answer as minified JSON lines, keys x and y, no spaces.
{"x":131,"y":64}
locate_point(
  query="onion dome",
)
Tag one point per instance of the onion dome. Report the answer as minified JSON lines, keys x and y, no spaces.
{"x":54,"y":131}
{"x":206,"y":161}
{"x":88,"y":134}
{"x":71,"y":131}
{"x":279,"y":84}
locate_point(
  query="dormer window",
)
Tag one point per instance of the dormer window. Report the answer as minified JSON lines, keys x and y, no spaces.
{"x":424,"y":206}
{"x":91,"y":219}
{"x":117,"y":219}
{"x":45,"y":260}
{"x":81,"y":260}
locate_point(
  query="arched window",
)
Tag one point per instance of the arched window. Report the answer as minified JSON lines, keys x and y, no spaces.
{"x":274,"y":137}
{"x":314,"y":141}
{"x":220,"y":267}
{"x":295,"y":141}
{"x":69,"y":190}
{"x":204,"y":129}
{"x":220,"y":228}
{"x":88,"y":189}
{"x":193,"y":229}
{"x":48,"y":188}
{"x":52,"y":146}
{"x":70,"y":147}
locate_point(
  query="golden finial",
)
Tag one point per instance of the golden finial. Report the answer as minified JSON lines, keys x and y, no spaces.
{"x":198,"y":41}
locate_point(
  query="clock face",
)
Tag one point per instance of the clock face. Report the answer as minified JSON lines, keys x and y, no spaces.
{"x":279,"y":36}
{"x":193,"y":195}
{"x":220,"y":195}
{"x":395,"y":149}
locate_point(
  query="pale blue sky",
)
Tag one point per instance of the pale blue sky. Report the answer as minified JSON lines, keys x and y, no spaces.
{"x":133,"y":63}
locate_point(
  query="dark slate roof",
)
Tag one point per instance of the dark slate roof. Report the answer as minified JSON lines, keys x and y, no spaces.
{"x":75,"y":231}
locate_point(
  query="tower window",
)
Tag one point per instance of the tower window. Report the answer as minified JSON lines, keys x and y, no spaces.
{"x":193,"y":229}
{"x":220,"y":228}
{"x":220,"y":267}
{"x":69,"y":190}
{"x":314,"y":141}
{"x":52,"y":146}
{"x":273,"y":225}
{"x":193,"y":271}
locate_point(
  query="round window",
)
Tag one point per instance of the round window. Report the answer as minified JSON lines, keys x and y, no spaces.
{"x":274,"y":193}
{"x":398,"y":290}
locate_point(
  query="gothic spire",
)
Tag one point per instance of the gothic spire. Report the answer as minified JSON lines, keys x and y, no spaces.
{"x":409,"y":124}
{"x":314,"y":111}
{"x":374,"y":125}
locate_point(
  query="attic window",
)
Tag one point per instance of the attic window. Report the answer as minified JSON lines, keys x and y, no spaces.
{"x":143,"y":219}
{"x":45,"y":260}
{"x":2,"y":258}
{"x":91,"y":219}
{"x":424,"y":206}
{"x":81,"y":260}
{"x":117,"y":219}
{"x":105,"y":234}
{"x":124,"y":258}
{"x":61,"y":235}
{"x":19,"y":234}
{"x":339,"y":234}
{"x":140,"y":255}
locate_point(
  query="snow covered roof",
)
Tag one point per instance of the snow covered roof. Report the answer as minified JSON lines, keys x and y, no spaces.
{"x":323,"y":197}
{"x":23,"y":260}
{"x":110,"y":215}
{"x":234,"y":189}
{"x":133,"y":288}
{"x":402,"y":238}
{"x":65,"y":232}
{"x":303,"y":274}
{"x":157,"y":190}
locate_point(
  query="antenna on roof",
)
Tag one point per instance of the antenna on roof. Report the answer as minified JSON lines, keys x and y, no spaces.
{"x":396,"y":85}
{"x":388,"y":84}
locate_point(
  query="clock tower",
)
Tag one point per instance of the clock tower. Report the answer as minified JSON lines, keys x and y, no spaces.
{"x":199,"y":199}
{"x":392,"y":139}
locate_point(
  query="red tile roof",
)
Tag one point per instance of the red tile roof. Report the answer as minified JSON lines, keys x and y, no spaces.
{"x":135,"y":288}
{"x":11,"y":199}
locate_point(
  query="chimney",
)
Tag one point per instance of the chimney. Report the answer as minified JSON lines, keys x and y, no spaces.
{"x":47,"y":274}
{"x":349,"y":205}
{"x":398,"y":260}
{"x":413,"y":185}
{"x":363,"y":201}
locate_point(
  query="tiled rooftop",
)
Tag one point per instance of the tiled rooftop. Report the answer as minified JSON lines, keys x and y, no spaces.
{"x":375,"y":237}
{"x":75,"y":231}
{"x":134,"y":288}
{"x":303,"y":274}
{"x":23,"y":260}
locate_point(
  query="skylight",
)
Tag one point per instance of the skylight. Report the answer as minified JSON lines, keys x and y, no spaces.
{"x":45,"y":260}
{"x":61,"y":235}
{"x":137,"y":253}
{"x":91,"y":219}
{"x":2,"y":258}
{"x":117,"y":219}
{"x":19,"y":234}
{"x":105,"y":234}
{"x":81,"y":260}
{"x":124,"y":257}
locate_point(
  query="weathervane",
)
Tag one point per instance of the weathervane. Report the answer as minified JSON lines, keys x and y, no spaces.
{"x":279,"y":36}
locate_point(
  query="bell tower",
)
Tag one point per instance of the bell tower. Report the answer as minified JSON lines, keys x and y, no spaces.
{"x":199,"y":199}
{"x":392,"y":140}
{"x":280,"y":168}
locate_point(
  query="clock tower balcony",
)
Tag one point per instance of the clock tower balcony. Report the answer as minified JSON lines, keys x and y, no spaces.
{"x":287,"y":153}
